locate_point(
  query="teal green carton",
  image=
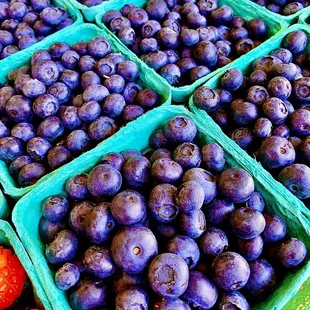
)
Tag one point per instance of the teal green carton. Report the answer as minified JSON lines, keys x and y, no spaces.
{"x":74,"y":14}
{"x":8,"y":238}
{"x":27,"y":213}
{"x":84,"y":32}
{"x":4,"y":207}
{"x":241,"y":8}
{"x":304,"y":18}
{"x":245,"y":67}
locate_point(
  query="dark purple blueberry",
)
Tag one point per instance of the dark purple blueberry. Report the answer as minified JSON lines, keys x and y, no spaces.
{"x":45,"y":106}
{"x":88,"y":294}
{"x":40,"y":55}
{"x":281,"y":131}
{"x":190,"y":197}
{"x":195,"y":20}
{"x":98,"y":262}
{"x":128,"y":154}
{"x":78,"y":101}
{"x":99,"y":47}
{"x":67,"y":276}
{"x":301,"y":90}
{"x":55,"y":208}
{"x":133,"y":248}
{"x":258,"y":29}
{"x":186,"y":248}
{"x":171,"y":73}
{"x":95,"y":93}
{"x":4,"y":11}
{"x":223,"y":47}
{"x":187,"y":155}
{"x":17,"y":165}
{"x":63,"y":248}
{"x":283,"y":54}
{"x":201,"y":291}
{"x":76,"y":187}
{"x":209,"y":33}
{"x":125,"y":10}
{"x":156,"y":60}
{"x":213,"y":242}
{"x":244,"y":113}
{"x":160,"y":153}
{"x":243,"y":137}
{"x":128,"y":207}
{"x":6,"y":38}
{"x":130,"y":92}
{"x":243,"y":46}
{"x":33,"y":88}
{"x":102,"y":128}
{"x":132,"y":112}
{"x":150,"y":28}
{"x":280,"y":87}
{"x":296,"y":178}
{"x":262,"y":128}
{"x":8,"y":51}
{"x":206,"y":53}
{"x":238,"y":34}
{"x":286,"y":70}
{"x":236,"y":185}
{"x":273,"y":8}
{"x":86,"y":63}
{"x":113,"y":105}
{"x":256,"y":202}
{"x":31,"y":173}
{"x":58,"y":156}
{"x":137,"y":17}
{"x":105,"y":67}
{"x":275,"y":110}
{"x":110,"y":15}
{"x":89,"y":111}
{"x":186,"y":65}
{"x":158,"y":139}
{"x":127,"y":35}
{"x":23,"y":131}
{"x":257,"y":95}
{"x":6,"y":93}
{"x":296,"y":41}
{"x":118,"y":23}
{"x":276,"y":152}
{"x":69,"y":117}
{"x":168,"y":38}
{"x":38,"y":148}
{"x":292,"y":8}
{"x":233,"y":299}
{"x":238,"y":22}
{"x":262,"y":280}
{"x":299,"y":122}
{"x":162,"y":205}
{"x":250,"y":249}
{"x":50,"y":128}
{"x":104,"y":181}
{"x":156,"y":9}
{"x":206,"y":99}
{"x":189,"y":7}
{"x":230,"y":271}
{"x":180,"y":129}
{"x":275,"y":229}
{"x":114,"y":83}
{"x":266,"y":64}
{"x":147,"y":99}
{"x":258,"y":77}
{"x":78,"y":214}
{"x":213,"y":157}
{"x":222,"y":15}
{"x":304,"y":150}
{"x":46,"y":72}
{"x":40,"y":29}
{"x":232,"y":79}
{"x":173,"y":24}
{"x":48,"y":230}
{"x":165,"y":170}
{"x":167,"y":303}
{"x":52,"y":16}
{"x":168,"y":275}
{"x":247,"y":223}
{"x":132,"y":297}
{"x":148,"y":45}
{"x":18,"y":108}
{"x":292,"y":253}
{"x":218,"y":212}
{"x":198,"y":72}
{"x":60,"y":91}
{"x":116,"y":160}
{"x":194,"y":224}
{"x":89,"y":78}
{"x":99,"y":223}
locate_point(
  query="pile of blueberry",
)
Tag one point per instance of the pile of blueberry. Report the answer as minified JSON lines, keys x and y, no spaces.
{"x":267,"y":113}
{"x":171,"y":227}
{"x":65,"y":102}
{"x":90,"y":3}
{"x":185,"y":41}
{"x":283,"y":7}
{"x":24,"y":23}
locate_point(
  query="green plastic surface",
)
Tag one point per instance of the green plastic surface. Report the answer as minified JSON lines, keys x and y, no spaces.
{"x":4,"y":207}
{"x":304,"y":18}
{"x":84,"y":32}
{"x":246,"y":67}
{"x":74,"y":14}
{"x":289,"y":20}
{"x":9,"y":238}
{"x":241,"y":8}
{"x":27,"y":213}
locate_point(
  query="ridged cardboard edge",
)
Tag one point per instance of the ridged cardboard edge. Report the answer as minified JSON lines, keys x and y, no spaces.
{"x":31,"y":203}
{"x":9,"y":237}
{"x":82,"y":32}
{"x":4,"y":207}
{"x":264,"y":50}
{"x":77,"y":17}
{"x":243,"y":8}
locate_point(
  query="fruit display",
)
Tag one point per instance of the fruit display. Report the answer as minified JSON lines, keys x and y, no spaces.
{"x":283,"y":7}
{"x":266,"y":111}
{"x":65,"y":102}
{"x":24,"y":23}
{"x":90,"y":3}
{"x":185,"y":41}
{"x":171,"y":227}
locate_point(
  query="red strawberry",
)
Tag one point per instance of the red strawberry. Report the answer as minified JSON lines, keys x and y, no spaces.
{"x":12,"y":278}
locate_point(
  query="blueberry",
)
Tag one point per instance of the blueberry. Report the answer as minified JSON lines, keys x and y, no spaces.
{"x":299,"y":122}
{"x":18,"y":108}
{"x":48,"y":230}
{"x":160,"y":153}
{"x":136,"y":172}
{"x":232,"y":79}
{"x":77,"y":141}
{"x":206,"y":53}
{"x":86,"y":63}
{"x":206,"y":98}
{"x":89,"y":78}
{"x":46,"y":72}
{"x":76,"y":187}
{"x":99,"y":47}
{"x":173,"y":24}
{"x":53,"y":16}
{"x":230,"y":271}
{"x":110,"y":15}
{"x":6,"y":93}
{"x":100,"y":224}
{"x":213,"y":157}
{"x":17,"y":164}
{"x":283,"y":54}
{"x":39,"y":5}
{"x":128,"y":154}
{"x":132,"y":112}
{"x":258,"y":77}
{"x":81,"y":48}
{"x":31,"y":173}
{"x":234,"y":299}
{"x":218,"y":212}
{"x":276,"y":152}
{"x":198,"y":72}
{"x":194,"y":224}
{"x":133,"y":248}
{"x":131,"y":297}
{"x":40,"y":29}
{"x":114,"y":83}
{"x":171,"y":73}
{"x":292,"y":253}
{"x":55,"y":208}
{"x":101,"y":128}
{"x":130,"y":93}
{"x":95,"y":93}
{"x":243,"y":137}
{"x":88,"y":294}
{"x":209,"y":33}
{"x":156,"y":9}
{"x":266,"y":64}
{"x":62,"y":248}
{"x":262,"y":280}
{"x":128,"y":207}
{"x":125,"y":10}
{"x":257,"y":95}
{"x":22,"y":131}
{"x":168,"y":275}
{"x":158,"y":139}
{"x":201,"y":291}
{"x":296,"y":41}
{"x":189,"y":8}
{"x":258,"y":29}
{"x":167,"y":303}
{"x":281,"y":130}
{"x":50,"y":128}
{"x":256,"y":202}
{"x":161,"y":204}
{"x":104,"y":180}
{"x":301,"y":90}
{"x":250,"y":249}
{"x":244,"y":113}
{"x":166,"y":170}
{"x":213,"y":242}
{"x":6,"y":38}
{"x":275,"y":110}
{"x":67,"y":276}
{"x":58,"y":156}
{"x":150,"y":28}
{"x":196,"y":20}
{"x":116,"y":160}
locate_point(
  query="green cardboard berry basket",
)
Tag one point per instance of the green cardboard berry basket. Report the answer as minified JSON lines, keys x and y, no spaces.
{"x":304,"y":18}
{"x":84,"y":32}
{"x":27,"y":213}
{"x":8,"y":238}
{"x":245,"y":67}
{"x":4,"y":207}
{"x":289,"y":20}
{"x":77,"y":20}
{"x":241,"y":8}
